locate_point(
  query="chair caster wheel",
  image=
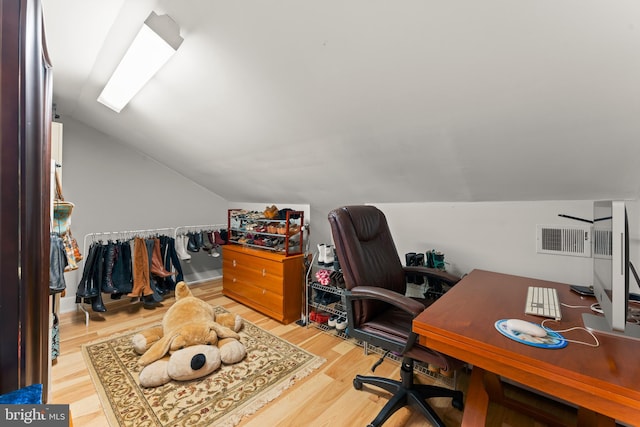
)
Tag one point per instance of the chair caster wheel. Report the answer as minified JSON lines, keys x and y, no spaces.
{"x":357,"y":384}
{"x":457,"y":402}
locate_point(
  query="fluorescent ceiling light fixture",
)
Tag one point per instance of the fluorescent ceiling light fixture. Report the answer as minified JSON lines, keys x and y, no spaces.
{"x":157,"y":41}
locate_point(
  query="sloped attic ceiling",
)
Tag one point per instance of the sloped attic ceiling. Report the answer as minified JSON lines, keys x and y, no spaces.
{"x":371,"y":100}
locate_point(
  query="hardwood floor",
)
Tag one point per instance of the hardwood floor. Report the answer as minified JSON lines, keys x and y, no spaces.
{"x":324,"y":398}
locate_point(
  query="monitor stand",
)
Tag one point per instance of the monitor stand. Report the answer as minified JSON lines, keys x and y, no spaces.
{"x":599,"y":324}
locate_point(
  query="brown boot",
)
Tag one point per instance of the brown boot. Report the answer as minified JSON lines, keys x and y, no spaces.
{"x":157,"y":266}
{"x":141,"y":279}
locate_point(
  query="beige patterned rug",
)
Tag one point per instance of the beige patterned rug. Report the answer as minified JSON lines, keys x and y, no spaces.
{"x":220,"y":399}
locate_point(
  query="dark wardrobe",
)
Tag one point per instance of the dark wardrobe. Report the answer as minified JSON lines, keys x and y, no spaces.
{"x":25,"y":99}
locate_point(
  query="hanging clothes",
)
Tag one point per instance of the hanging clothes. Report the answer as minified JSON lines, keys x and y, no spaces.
{"x":180,"y":246}
{"x":57,"y":264}
{"x":87,"y":288}
{"x":141,"y":276}
{"x":122,"y":276}
{"x":113,"y":269}
{"x":143,"y":264}
{"x":169,"y":254}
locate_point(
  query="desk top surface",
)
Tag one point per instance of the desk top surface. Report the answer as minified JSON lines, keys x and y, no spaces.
{"x":461,"y":324}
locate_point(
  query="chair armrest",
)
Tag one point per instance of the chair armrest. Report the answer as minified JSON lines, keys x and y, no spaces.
{"x":449,"y":279}
{"x":398,"y":300}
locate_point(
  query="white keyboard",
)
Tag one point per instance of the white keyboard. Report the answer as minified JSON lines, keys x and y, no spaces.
{"x":543,"y":302}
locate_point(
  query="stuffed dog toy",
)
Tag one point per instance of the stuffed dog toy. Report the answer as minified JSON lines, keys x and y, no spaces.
{"x":197,"y":339}
{"x":186,"y":364}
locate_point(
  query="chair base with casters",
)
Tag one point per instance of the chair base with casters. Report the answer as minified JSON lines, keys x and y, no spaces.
{"x":407,"y":393}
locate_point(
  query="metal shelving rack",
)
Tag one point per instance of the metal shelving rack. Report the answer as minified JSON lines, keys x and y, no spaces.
{"x":290,"y":242}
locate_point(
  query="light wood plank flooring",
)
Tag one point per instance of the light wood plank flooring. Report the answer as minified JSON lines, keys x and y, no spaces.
{"x":325,"y":398}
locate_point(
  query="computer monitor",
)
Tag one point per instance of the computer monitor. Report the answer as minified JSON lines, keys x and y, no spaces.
{"x":611,"y":270}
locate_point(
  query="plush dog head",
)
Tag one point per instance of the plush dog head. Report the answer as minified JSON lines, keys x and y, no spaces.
{"x":194,"y":334}
{"x":206,"y":333}
{"x":186,"y":364}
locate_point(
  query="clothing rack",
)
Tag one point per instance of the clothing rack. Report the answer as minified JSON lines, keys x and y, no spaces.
{"x":125,"y":235}
{"x":118,"y":235}
{"x":185,"y":229}
{"x":131,"y":234}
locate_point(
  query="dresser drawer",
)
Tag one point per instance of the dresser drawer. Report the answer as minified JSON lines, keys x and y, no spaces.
{"x":264,"y":266}
{"x":257,"y":296}
{"x":264,"y":275}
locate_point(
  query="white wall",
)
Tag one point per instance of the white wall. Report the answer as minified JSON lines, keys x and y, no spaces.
{"x":499,"y":236}
{"x":116,"y":189}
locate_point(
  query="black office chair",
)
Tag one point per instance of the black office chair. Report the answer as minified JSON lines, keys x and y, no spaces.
{"x":378,"y":311}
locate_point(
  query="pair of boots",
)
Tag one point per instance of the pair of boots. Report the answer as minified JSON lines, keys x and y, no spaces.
{"x":181,"y":248}
{"x":435,"y":259}
{"x":414,"y":259}
{"x":147,"y":260}
{"x":326,"y":255}
{"x":215,"y":240}
{"x":92,"y":282}
{"x":196,"y":241}
{"x":325,"y":297}
{"x":171,"y":258}
{"x":121,"y":274}
{"x":156,"y":264}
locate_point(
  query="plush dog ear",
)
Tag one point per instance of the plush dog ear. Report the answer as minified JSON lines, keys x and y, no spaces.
{"x":157,"y":350}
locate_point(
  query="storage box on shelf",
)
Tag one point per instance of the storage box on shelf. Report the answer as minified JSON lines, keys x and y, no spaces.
{"x":280,"y":235}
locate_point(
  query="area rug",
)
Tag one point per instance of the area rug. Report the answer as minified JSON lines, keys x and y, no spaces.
{"x":220,"y":399}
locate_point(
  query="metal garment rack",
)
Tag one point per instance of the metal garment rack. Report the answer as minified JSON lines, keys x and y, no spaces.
{"x":118,"y":235}
{"x":185,"y":229}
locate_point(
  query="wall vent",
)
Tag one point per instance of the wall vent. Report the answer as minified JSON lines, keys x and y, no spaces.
{"x":602,"y":243}
{"x":564,"y":240}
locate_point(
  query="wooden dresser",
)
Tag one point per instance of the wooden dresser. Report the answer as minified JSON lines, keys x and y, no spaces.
{"x":268,"y":282}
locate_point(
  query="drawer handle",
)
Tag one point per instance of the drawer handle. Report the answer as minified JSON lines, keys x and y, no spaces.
{"x":234,"y":280}
{"x":264,"y":272}
{"x":234,"y":262}
{"x":264,"y":291}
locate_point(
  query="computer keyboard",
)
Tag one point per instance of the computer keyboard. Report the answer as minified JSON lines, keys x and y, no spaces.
{"x":543,"y":302}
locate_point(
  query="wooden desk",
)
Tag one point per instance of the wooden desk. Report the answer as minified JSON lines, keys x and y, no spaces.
{"x":603,"y":382}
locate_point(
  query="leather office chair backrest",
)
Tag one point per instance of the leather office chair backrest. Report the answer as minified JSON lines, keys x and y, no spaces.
{"x":367,"y":254}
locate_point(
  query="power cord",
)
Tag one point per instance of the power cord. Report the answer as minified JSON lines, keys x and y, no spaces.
{"x":593,"y":307}
{"x":574,"y":306}
{"x":597,"y":343}
{"x":379,"y":362}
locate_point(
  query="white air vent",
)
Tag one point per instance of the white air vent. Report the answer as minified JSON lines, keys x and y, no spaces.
{"x":602,"y":243}
{"x":563,"y":240}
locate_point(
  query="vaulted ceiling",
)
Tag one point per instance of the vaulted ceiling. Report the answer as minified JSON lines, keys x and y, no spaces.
{"x":372,"y":100}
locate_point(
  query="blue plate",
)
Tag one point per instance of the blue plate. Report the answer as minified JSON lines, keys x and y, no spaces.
{"x":552,"y":340}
